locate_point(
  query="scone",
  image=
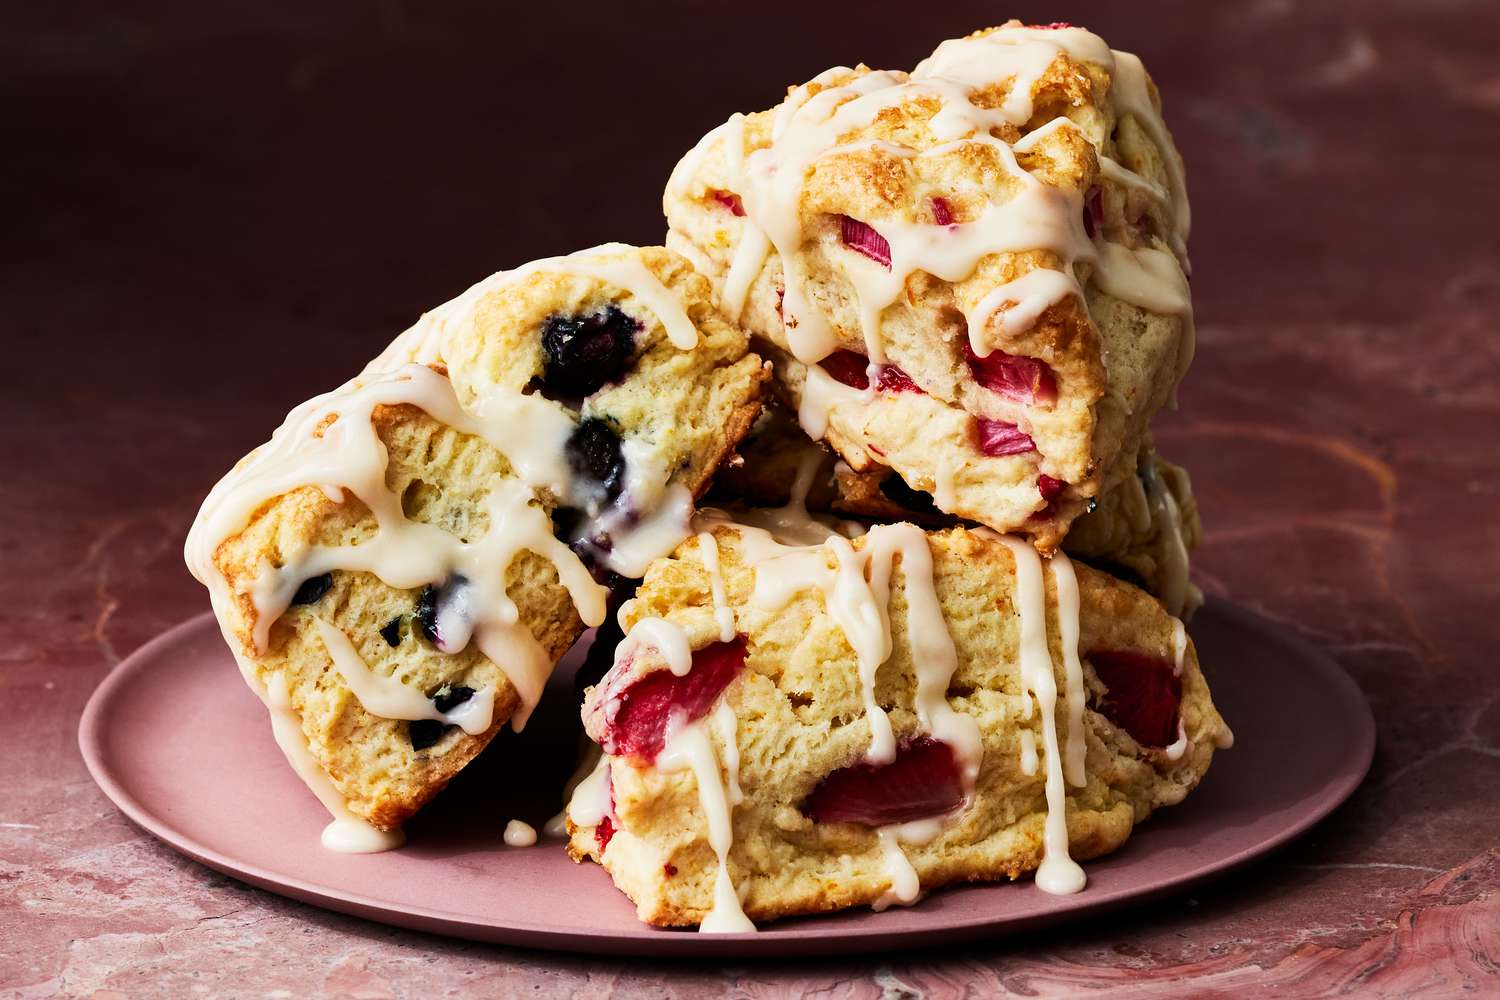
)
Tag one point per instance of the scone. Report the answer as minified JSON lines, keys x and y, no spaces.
{"x":1142,"y":528}
{"x":973,"y":273}
{"x":794,"y":729}
{"x":399,"y":568}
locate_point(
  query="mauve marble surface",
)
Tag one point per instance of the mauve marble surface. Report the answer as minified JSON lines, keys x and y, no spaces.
{"x":213,"y":214}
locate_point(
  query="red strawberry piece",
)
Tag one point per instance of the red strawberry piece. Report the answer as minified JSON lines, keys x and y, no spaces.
{"x":853,"y":370}
{"x":1093,"y":211}
{"x":859,"y":237}
{"x":638,"y":727}
{"x":731,"y":201}
{"x":1144,"y":694}
{"x":922,"y":781}
{"x":942,"y":212}
{"x":603,"y":833}
{"x":1023,"y":379}
{"x":998,"y":438}
{"x":1048,"y":487}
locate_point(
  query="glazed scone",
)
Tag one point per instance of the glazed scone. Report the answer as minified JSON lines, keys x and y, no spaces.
{"x":973,"y":273}
{"x":1143,"y":527}
{"x":790,"y":730}
{"x":398,"y":569}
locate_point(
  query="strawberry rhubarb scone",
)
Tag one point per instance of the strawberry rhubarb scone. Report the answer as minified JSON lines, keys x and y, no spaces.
{"x":973,"y":273}
{"x":399,"y":568}
{"x":795,"y":729}
{"x":1141,"y":528}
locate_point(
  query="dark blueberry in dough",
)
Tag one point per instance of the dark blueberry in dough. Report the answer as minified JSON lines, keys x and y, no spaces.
{"x":595,"y":457}
{"x":899,"y":492}
{"x":431,"y":603}
{"x":585,"y":353}
{"x":423,"y":733}
{"x":312,"y":589}
{"x":449,"y":698}
{"x":391,"y":632}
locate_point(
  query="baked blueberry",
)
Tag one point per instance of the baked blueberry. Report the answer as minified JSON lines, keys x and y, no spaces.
{"x":595,"y":456}
{"x":585,"y":353}
{"x":448,"y":698}
{"x":391,"y":632}
{"x":423,"y":733}
{"x":313,"y":588}
{"x":437,"y":601}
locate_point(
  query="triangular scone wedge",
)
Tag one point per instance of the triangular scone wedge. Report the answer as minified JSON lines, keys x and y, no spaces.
{"x":400,"y":567}
{"x":972,"y":273}
{"x":749,"y":761}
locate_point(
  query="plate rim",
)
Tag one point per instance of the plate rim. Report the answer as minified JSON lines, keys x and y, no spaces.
{"x":783,"y":938}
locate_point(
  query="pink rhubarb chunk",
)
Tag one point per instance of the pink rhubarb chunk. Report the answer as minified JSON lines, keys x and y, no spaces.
{"x":922,"y":781}
{"x":997,"y":438}
{"x":638,"y":727}
{"x":1144,"y":694}
{"x":1023,"y":379}
{"x":853,"y":370}
{"x":863,"y":239}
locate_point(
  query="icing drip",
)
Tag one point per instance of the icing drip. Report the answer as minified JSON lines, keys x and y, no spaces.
{"x":389,"y":698}
{"x":588,"y":762}
{"x":689,"y":748}
{"x":519,"y":834}
{"x":1018,"y":304}
{"x":1066,"y":582}
{"x":1058,"y":872}
{"x":905,"y":887}
{"x":347,"y":833}
{"x":637,"y":543}
{"x":1028,"y":752}
{"x":663,"y":636}
{"x":856,"y":593}
{"x":726,"y":729}
{"x":589,"y":803}
{"x":1176,"y":588}
{"x":708,"y":549}
{"x":1153,"y":280}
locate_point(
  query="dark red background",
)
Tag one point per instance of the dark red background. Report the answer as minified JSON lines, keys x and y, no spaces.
{"x":213,"y":211}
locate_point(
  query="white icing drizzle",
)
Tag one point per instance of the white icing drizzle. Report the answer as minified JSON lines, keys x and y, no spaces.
{"x":519,"y":834}
{"x":809,"y":126}
{"x":1179,"y":646}
{"x":588,"y":762}
{"x":1179,"y":746}
{"x":726,"y":728}
{"x":1167,"y":517}
{"x":905,"y":886}
{"x":1017,"y":304}
{"x":637,"y":543}
{"x":1058,"y":873}
{"x":589,"y":803}
{"x":389,"y":698}
{"x":665,"y":637}
{"x":856,"y":593}
{"x":708,"y":549}
{"x":347,"y":833}
{"x":1028,"y":752}
{"x":1066,"y":582}
{"x":688,"y":747}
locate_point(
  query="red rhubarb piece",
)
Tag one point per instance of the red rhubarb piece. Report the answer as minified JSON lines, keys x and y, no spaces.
{"x":1144,"y":694}
{"x":922,"y":781}
{"x":603,"y":833}
{"x":997,"y":438}
{"x":1023,"y":379}
{"x":1049,"y":488}
{"x":731,"y":201}
{"x":863,"y":239}
{"x":853,"y":370}
{"x":942,"y":212}
{"x":638,"y":727}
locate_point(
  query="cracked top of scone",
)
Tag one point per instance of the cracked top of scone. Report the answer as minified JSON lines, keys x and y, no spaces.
{"x":973,"y":272}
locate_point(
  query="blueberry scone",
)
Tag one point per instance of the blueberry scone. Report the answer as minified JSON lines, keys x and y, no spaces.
{"x":399,"y":568}
{"x":972,"y":273}
{"x":795,"y":729}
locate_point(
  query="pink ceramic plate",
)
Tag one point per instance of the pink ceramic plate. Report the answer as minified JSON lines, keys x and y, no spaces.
{"x":184,"y":749}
